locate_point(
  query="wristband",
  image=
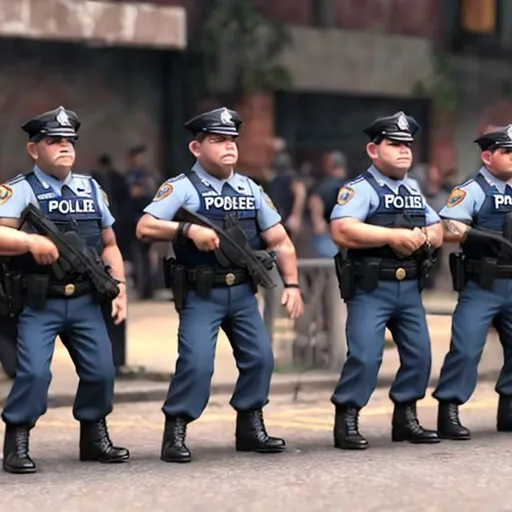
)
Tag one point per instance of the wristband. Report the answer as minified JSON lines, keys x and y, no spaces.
{"x":181,"y":233}
{"x":292,"y":285}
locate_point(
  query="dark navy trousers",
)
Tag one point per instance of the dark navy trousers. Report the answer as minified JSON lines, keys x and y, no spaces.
{"x":398,"y":306}
{"x":236,"y":309}
{"x":476,"y":309}
{"x":89,"y":346}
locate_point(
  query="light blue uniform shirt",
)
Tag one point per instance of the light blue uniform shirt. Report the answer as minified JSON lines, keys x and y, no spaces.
{"x":467,"y":199}
{"x":360,"y":200}
{"x":179,"y":191}
{"x":16,"y":194}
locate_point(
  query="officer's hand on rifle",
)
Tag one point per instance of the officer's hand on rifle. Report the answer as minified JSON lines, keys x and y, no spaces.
{"x":205,"y":238}
{"x":406,"y":241}
{"x":42,"y":249}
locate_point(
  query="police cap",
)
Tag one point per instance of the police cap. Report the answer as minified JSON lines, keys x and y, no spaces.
{"x":221,"y":121}
{"x":398,"y":127}
{"x":55,"y":123}
{"x":500,"y":138}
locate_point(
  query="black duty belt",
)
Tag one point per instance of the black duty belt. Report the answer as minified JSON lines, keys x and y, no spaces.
{"x":69,"y":290}
{"x":222,"y":278}
{"x":391,"y":270}
{"x":474,"y":268}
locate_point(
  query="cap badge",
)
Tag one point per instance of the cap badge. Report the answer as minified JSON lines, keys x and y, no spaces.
{"x":402,"y":122}
{"x":226,"y":118}
{"x":62,"y":118}
{"x":509,"y":131}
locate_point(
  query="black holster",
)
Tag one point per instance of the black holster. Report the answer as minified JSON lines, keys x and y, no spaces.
{"x":346,"y":276}
{"x":457,"y":261}
{"x":12,"y":301}
{"x":424,"y":266}
{"x":175,"y":277}
{"x":11,"y":294}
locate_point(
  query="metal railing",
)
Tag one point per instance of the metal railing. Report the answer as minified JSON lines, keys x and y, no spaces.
{"x":317,"y":339}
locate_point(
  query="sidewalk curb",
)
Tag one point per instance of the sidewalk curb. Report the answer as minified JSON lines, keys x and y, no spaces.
{"x":294,"y":387}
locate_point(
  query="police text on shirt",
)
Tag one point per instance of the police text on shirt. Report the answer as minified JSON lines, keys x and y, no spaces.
{"x":502,"y":200}
{"x":229,"y":203}
{"x":394,"y":201}
{"x":65,"y":206}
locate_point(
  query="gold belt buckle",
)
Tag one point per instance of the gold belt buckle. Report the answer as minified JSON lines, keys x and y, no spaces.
{"x":69,"y":289}
{"x":230,"y":279}
{"x":400,"y":273}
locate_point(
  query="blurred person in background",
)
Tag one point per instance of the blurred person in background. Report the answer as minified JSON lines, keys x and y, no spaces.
{"x":116,"y":187}
{"x":288,"y":193}
{"x":143,"y":184}
{"x":323,"y":199}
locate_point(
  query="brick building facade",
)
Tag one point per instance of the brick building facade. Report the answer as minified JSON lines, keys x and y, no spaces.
{"x":349,"y":59}
{"x":390,"y":52}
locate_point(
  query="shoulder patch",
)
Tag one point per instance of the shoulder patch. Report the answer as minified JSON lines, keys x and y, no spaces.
{"x":164,"y":191}
{"x":176,"y":178}
{"x":457,"y":195}
{"x":104,"y":196}
{"x":5,"y":193}
{"x":345,"y":194}
{"x":267,"y":199}
{"x":16,"y":179}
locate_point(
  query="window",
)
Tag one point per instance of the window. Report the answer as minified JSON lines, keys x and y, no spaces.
{"x":482,"y":27}
{"x":478,"y":16}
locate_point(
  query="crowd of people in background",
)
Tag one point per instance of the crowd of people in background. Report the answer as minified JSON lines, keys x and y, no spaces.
{"x":304,"y":196}
{"x":129,"y":193}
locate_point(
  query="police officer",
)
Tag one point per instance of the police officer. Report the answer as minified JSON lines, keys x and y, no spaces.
{"x":483,"y":276}
{"x":384,"y":226}
{"x":227,"y":296}
{"x":51,"y":306}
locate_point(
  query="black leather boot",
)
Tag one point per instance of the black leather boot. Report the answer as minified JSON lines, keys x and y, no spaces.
{"x":504,"y":419}
{"x":251,"y":434}
{"x":95,"y":444}
{"x":346,"y":429}
{"x":16,"y":456}
{"x":448,"y":423}
{"x":406,"y":426}
{"x":174,"y":448}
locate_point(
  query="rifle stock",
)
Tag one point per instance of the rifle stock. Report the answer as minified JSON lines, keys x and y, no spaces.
{"x":489,"y":237}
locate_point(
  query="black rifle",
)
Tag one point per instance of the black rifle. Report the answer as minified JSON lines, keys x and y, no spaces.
{"x":75,"y":257}
{"x":235,"y":247}
{"x":494,"y":238}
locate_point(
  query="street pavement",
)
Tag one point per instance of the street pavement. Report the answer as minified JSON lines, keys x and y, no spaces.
{"x":311,"y":476}
{"x":152,"y":345}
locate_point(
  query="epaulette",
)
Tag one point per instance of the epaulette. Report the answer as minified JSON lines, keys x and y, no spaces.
{"x":357,"y":179}
{"x":176,"y":178}
{"x":471,"y":180}
{"x":16,"y":179}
